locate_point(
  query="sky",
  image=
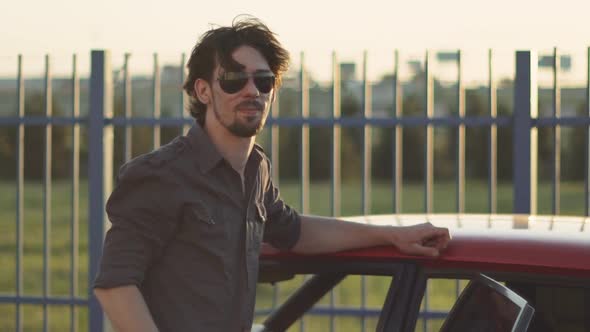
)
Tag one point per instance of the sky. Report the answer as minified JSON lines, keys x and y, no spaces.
{"x":316,"y":27}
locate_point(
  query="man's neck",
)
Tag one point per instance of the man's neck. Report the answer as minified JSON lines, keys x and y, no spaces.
{"x":232,"y":148}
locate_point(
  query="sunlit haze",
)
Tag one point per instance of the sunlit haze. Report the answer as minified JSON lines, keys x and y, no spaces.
{"x":63,"y":27}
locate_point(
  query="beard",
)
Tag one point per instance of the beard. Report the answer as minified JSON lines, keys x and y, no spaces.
{"x":248,"y":128}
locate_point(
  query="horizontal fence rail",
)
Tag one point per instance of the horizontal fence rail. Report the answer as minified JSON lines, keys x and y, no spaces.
{"x":102,"y":122}
{"x":408,"y":121}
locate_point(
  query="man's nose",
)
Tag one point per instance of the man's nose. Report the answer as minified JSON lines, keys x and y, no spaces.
{"x":250,"y":89}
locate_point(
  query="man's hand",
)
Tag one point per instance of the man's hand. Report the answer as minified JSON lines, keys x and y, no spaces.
{"x":423,"y":239}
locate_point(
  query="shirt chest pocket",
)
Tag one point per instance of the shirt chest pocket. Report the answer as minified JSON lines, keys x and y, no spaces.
{"x":256,"y":228}
{"x":202,"y":227}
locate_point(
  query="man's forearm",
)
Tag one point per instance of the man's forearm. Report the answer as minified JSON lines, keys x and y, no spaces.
{"x":126,"y":309}
{"x":324,"y":235}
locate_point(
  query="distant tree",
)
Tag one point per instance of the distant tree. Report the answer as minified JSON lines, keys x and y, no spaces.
{"x":34,"y":149}
{"x":504,"y":146}
{"x":320,"y":140}
{"x":575,"y":153}
{"x":351,"y":139}
{"x":289,"y":138}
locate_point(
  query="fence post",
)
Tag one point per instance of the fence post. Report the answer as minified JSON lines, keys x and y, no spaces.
{"x":100,"y":170}
{"x":525,"y":134}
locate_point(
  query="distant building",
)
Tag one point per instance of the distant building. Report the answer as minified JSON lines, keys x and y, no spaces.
{"x":171,"y":73}
{"x":348,"y":71}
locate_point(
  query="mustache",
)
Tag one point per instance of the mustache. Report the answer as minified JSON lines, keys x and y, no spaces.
{"x":251,"y":104}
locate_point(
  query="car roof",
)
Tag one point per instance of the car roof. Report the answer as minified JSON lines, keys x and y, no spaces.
{"x":517,"y":243}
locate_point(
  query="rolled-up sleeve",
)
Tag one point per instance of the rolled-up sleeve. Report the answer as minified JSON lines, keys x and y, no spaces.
{"x":142,"y":212}
{"x":283,"y":224}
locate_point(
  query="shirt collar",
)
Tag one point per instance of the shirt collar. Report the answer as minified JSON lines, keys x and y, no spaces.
{"x":207,"y":155}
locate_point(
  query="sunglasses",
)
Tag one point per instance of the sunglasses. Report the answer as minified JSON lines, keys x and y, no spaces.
{"x":232,"y":82}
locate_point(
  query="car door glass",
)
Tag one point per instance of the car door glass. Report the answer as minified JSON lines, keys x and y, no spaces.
{"x":485,"y":305}
{"x":438,"y":299}
{"x":557,"y":307}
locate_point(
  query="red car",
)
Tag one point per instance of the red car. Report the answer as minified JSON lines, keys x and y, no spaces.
{"x":541,"y":261}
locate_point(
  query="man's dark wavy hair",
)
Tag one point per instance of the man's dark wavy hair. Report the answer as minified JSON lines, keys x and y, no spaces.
{"x":217,"y":46}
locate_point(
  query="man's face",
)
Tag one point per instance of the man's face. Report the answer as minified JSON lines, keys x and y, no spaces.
{"x":242,"y":111}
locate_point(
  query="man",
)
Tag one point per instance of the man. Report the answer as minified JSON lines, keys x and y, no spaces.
{"x":188,"y":219}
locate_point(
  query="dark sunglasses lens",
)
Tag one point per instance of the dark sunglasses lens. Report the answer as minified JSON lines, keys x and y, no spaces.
{"x":264,"y":84}
{"x":233,"y":85}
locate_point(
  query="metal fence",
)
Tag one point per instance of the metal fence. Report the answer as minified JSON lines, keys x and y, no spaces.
{"x":100,"y":123}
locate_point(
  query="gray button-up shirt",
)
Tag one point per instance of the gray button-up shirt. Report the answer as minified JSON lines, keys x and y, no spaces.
{"x":187,"y":235}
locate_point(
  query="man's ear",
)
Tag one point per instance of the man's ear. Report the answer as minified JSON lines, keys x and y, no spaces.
{"x":202,"y":91}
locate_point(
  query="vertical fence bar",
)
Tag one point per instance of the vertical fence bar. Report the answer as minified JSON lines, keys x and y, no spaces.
{"x":555,"y":203}
{"x":128,"y":138}
{"x":74,"y":222}
{"x":429,"y":149}
{"x":428,"y":154}
{"x":366,"y":181}
{"x":524,"y":135}
{"x":274,"y":139}
{"x":587,"y":175}
{"x":47,"y":194}
{"x":100,"y":170}
{"x":397,"y":146}
{"x":20,"y":168}
{"x":460,"y":153}
{"x":183,"y":95}
{"x":336,"y":161}
{"x":304,"y":150}
{"x":336,"y":137}
{"x":367,"y":135}
{"x":460,"y":195}
{"x":274,"y":159}
{"x":493,"y":138}
{"x":156,"y":94}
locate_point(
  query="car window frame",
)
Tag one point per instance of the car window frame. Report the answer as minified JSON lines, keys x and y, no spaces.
{"x":497,"y":275}
{"x":328,"y":273}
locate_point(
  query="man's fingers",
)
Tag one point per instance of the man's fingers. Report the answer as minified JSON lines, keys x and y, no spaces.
{"x":443,"y":232}
{"x":418,"y":249}
{"x":435,"y":240}
{"x":439,"y":238}
{"x":427,"y":241}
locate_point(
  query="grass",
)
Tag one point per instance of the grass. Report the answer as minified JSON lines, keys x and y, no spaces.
{"x":33,"y":248}
{"x":441,"y":293}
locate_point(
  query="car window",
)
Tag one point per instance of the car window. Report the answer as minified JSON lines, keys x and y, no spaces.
{"x":439,"y":297}
{"x":352,"y":311}
{"x":557,"y":308}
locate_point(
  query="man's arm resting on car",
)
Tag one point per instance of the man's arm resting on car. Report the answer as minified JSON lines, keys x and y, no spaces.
{"x":126,"y":309}
{"x":325,"y":235}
